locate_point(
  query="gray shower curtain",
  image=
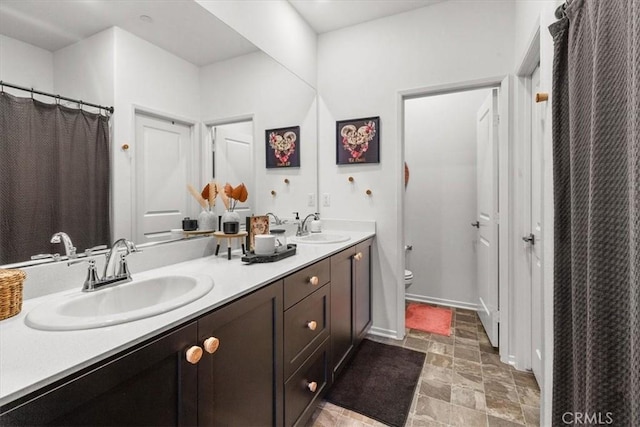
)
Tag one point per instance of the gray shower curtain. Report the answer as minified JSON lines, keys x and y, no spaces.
{"x":54,"y":176}
{"x":596,"y":138}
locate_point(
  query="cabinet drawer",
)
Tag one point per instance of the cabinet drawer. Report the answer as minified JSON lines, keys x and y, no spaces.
{"x":306,"y":386}
{"x":300,"y":284}
{"x":306,"y":325}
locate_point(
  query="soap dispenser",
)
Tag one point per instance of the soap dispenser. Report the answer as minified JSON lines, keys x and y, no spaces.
{"x":316,"y":224}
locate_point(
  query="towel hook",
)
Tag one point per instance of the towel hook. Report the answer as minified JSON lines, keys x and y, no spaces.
{"x":1,"y":87}
{"x":32,"y":94}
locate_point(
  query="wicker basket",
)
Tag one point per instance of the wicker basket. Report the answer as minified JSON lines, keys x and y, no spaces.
{"x":10,"y":292}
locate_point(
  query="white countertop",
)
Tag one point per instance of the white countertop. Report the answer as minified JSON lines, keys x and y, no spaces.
{"x":31,"y":358}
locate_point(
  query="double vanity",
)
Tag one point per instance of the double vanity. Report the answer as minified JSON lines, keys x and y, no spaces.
{"x":228,"y":343}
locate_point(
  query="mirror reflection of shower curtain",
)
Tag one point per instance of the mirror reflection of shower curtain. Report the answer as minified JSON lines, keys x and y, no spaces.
{"x":596,"y":150}
{"x":54,"y":176}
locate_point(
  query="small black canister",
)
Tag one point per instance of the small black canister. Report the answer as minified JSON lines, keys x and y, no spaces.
{"x":189,"y":224}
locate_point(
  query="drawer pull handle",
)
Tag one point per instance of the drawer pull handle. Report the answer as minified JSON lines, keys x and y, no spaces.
{"x":194,"y":354}
{"x":211,"y":345}
{"x":312,"y":325}
{"x":358,"y":256}
{"x":314,"y":280}
{"x":312,"y":386}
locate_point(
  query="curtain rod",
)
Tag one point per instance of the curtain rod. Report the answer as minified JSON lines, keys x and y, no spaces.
{"x":77,"y":101}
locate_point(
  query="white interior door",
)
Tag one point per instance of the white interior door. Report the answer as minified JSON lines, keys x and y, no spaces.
{"x":234,"y":162}
{"x":162,"y":172}
{"x":534,"y":239}
{"x":487,"y":219}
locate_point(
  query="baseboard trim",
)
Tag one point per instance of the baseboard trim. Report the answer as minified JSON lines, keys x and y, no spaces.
{"x":441,"y":301}
{"x":386,"y":333}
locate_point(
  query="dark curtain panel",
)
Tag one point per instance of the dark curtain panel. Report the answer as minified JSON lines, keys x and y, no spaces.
{"x":596,"y":138}
{"x":54,"y":176}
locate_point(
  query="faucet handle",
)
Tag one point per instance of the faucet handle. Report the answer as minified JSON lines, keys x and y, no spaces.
{"x":88,"y":252}
{"x":131,"y":247}
{"x":123,"y":269}
{"x":91,"y":261}
{"x":92,"y":276}
{"x":297,"y":216}
{"x":55,"y":257}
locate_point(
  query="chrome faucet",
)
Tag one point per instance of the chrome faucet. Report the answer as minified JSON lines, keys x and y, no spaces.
{"x":110,"y":266}
{"x":93,"y":282}
{"x":64,"y":238}
{"x":276,"y":220}
{"x":302,"y":226}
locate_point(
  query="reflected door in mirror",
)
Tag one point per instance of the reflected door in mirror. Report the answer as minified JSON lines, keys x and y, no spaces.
{"x":163,"y":165}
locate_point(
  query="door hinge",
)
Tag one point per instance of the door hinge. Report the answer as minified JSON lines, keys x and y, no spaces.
{"x":496,"y":120}
{"x":496,"y":316}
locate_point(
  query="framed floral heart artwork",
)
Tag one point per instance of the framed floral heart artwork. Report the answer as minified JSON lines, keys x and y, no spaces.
{"x":358,"y":141}
{"x":283,"y":147}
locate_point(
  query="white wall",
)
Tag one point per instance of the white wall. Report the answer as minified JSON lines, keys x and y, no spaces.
{"x":85,"y":71}
{"x":257,"y":86}
{"x":361,"y":71}
{"x":276,"y":28}
{"x":149,"y":77}
{"x":25,"y":65}
{"x":441,"y":198}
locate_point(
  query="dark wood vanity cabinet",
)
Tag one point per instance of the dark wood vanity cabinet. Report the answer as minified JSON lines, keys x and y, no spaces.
{"x":362,"y":290}
{"x":264,"y":359}
{"x":307,"y":326}
{"x":241,"y":383}
{"x":350,"y":301}
{"x":152,"y":384}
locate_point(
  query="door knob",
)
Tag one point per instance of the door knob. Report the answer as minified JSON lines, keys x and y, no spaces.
{"x":476,"y":224}
{"x":358,"y":256}
{"x":312,"y":325}
{"x":530,"y":239}
{"x":312,"y":386}
{"x":314,"y":280}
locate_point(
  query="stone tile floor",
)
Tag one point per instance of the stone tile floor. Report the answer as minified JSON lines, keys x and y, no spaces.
{"x":463,"y":383}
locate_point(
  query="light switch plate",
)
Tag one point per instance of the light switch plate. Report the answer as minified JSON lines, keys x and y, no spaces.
{"x":326,"y":200}
{"x":311,"y":202}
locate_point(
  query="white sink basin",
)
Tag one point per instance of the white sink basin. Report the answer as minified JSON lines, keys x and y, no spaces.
{"x":321,"y":238}
{"x":118,"y":304}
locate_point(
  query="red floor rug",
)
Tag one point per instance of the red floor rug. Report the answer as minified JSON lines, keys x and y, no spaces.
{"x":429,"y":319}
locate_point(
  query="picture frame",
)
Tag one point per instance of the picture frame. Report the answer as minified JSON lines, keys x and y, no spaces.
{"x":256,"y":225}
{"x":283,"y":147}
{"x":358,"y":141}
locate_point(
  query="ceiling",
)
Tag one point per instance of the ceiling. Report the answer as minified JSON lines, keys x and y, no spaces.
{"x":181,"y":27}
{"x":330,"y":15}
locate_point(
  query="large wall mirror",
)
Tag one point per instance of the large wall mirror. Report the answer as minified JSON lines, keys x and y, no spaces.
{"x":192,"y":101}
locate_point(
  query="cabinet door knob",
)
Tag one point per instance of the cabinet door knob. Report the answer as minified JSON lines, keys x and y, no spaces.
{"x":312,"y":325}
{"x":312,"y":386}
{"x":358,"y":256}
{"x":314,"y":280}
{"x":211,"y":345}
{"x":194,"y":354}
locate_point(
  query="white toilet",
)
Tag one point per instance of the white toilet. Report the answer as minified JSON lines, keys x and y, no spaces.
{"x":408,"y":275}
{"x":408,"y":278}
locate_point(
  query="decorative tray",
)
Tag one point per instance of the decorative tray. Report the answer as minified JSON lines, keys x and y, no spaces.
{"x":250,"y":257}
